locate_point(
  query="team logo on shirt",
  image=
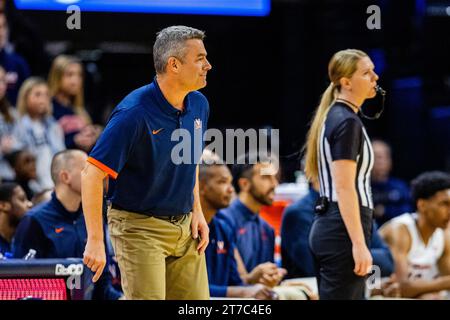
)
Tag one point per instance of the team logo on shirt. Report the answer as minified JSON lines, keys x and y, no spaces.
{"x":157,"y":131}
{"x":197,"y":123}
{"x":241,"y":231}
{"x":264,"y":235}
{"x":220,"y":247}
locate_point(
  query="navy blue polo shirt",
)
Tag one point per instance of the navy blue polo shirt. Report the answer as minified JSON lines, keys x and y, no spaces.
{"x":394,"y":195}
{"x":136,"y":150}
{"x":255,"y":237}
{"x":54,"y":232}
{"x":220,"y":262}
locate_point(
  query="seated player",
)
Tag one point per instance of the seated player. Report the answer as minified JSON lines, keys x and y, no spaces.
{"x":13,"y":206}
{"x":420,"y":242}
{"x":255,"y":184}
{"x":224,"y":280}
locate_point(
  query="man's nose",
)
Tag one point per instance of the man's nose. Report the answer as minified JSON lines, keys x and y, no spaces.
{"x":208,"y":65}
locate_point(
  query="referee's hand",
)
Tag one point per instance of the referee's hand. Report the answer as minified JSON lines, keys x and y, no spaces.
{"x":94,"y":257}
{"x":200,"y":229}
{"x":362,"y":258}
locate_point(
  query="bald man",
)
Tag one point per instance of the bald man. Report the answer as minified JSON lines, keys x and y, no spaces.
{"x":56,"y":228}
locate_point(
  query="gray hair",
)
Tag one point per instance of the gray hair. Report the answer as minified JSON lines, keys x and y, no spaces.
{"x":170,"y":42}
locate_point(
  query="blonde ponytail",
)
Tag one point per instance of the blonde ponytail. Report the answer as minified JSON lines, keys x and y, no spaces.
{"x":342,"y":64}
{"x":311,"y":145}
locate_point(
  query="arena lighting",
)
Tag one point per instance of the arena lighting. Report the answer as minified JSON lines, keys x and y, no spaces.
{"x":207,"y":7}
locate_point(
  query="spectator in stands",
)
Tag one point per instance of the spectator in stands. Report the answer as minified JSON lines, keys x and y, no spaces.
{"x":38,"y":131}
{"x":23,"y":163}
{"x":391,"y":196}
{"x":26,"y":38}
{"x":13,"y":206}
{"x":297,"y":257}
{"x":255,"y":237}
{"x":215,"y":193}
{"x":16,"y":67}
{"x":56,"y":229}
{"x":420,"y":242}
{"x":8,"y":123}
{"x":66,"y":89}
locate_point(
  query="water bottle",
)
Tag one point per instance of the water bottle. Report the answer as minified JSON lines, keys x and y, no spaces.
{"x":30,"y":255}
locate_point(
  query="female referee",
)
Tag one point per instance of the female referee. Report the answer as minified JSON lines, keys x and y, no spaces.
{"x":340,"y":156}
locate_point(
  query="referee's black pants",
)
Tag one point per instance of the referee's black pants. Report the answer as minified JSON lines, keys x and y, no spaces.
{"x":332,"y":249}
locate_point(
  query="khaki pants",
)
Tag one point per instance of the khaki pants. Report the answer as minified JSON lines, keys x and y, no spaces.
{"x":158,"y":259}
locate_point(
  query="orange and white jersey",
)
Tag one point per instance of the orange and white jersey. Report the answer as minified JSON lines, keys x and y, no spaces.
{"x":422,"y":259}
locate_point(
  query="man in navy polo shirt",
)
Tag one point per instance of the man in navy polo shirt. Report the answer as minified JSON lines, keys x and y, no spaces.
{"x":255,"y":237}
{"x":215,"y":193}
{"x":156,"y":222}
{"x":56,"y":228}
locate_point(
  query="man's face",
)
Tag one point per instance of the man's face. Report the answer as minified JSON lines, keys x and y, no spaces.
{"x":77,"y":165}
{"x":3,"y":30}
{"x":383,"y":161}
{"x":262,"y":186}
{"x":437,"y":209}
{"x":194,"y":65}
{"x":217,"y":190}
{"x":26,"y":166}
{"x":19,"y":205}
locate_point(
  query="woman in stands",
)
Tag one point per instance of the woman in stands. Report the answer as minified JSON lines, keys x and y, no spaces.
{"x":66,"y":89}
{"x":38,"y":130}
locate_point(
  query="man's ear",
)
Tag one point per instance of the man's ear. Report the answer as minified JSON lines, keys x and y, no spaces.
{"x":64,"y":176}
{"x":201,"y":188}
{"x":244,"y":184}
{"x":421,"y":204}
{"x":5,"y":206}
{"x":173,"y":65}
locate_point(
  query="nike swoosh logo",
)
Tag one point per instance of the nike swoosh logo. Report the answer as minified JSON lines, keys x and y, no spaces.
{"x":157,"y":131}
{"x":59,"y":230}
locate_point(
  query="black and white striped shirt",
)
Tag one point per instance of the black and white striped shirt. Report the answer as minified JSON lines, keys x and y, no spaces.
{"x":343,"y":137}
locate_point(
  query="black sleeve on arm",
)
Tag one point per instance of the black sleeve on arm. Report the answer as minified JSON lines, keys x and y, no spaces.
{"x":346,"y":139}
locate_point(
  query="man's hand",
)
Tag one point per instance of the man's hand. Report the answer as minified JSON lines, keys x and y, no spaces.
{"x":200,"y":227}
{"x":267,"y":273}
{"x":94,"y":257}
{"x":391,"y":288}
